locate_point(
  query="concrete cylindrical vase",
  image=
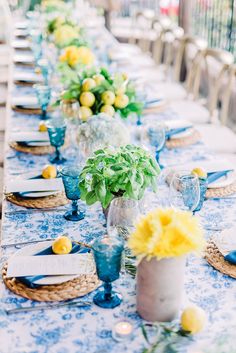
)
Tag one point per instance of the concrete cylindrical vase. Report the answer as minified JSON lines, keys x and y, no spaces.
{"x":160,"y":286}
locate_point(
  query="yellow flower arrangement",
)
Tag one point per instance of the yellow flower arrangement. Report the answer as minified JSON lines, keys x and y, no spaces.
{"x":77,"y":55}
{"x":65,"y":34}
{"x":165,"y":233}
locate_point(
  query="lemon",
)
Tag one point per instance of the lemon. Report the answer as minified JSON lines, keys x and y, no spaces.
{"x":108,"y":97}
{"x":121,"y":90}
{"x":121,"y":101}
{"x":49,"y":172}
{"x":37,"y":70}
{"x":108,"y":109}
{"x":85,"y":113}
{"x":87,"y":99}
{"x":193,"y":319}
{"x":201,"y":173}
{"x":98,"y":79}
{"x":62,"y":245}
{"x":88,"y":84}
{"x":42,"y":127}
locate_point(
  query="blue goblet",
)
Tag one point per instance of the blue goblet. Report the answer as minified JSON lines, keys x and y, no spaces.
{"x":157,"y":137}
{"x":108,"y":254}
{"x":57,"y":131}
{"x":203,"y":188}
{"x":70,"y":178}
{"x":43,"y":93}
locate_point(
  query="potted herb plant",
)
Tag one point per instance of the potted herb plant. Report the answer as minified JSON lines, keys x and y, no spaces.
{"x":161,"y":241}
{"x":118,"y":172}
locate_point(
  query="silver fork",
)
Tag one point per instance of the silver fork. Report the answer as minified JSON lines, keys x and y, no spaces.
{"x":48,"y":307}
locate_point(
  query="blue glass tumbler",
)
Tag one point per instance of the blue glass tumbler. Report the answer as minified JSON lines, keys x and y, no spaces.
{"x":71,"y":178}
{"x":108,"y":255}
{"x":157,"y":138}
{"x":203,"y":188}
{"x":43,"y":93}
{"x":57,"y":131}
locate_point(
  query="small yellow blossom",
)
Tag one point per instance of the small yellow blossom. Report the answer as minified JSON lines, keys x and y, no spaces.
{"x":65,"y":34}
{"x":167,"y":233}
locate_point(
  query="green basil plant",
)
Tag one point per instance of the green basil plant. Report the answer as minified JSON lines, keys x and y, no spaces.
{"x":126,"y":171}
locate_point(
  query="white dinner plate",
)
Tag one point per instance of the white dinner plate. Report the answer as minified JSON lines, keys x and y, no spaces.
{"x":49,"y":280}
{"x":226,"y":241}
{"x":21,"y":44}
{"x":224,"y":181}
{"x":23,"y":59}
{"x":30,"y":77}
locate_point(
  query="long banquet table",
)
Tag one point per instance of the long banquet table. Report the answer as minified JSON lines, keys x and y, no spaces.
{"x":80,"y":330}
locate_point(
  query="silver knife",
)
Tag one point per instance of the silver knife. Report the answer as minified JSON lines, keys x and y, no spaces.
{"x":49,"y":306}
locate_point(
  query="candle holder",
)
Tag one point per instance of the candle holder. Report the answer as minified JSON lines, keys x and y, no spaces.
{"x":108,"y":253}
{"x":122,"y":330}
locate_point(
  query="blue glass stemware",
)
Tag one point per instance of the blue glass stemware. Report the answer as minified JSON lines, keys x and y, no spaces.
{"x":45,"y":68}
{"x":43,"y":93}
{"x":108,"y":254}
{"x":157,"y":136}
{"x":203,"y":188}
{"x":70,"y":178}
{"x":37,"y":51}
{"x":185,"y":191}
{"x":57,"y":131}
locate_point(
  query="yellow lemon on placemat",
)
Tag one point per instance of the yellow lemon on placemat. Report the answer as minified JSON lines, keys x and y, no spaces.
{"x":85,"y":113}
{"x":108,"y":97}
{"x":193,"y":319}
{"x":62,"y":245}
{"x":87,"y":99}
{"x":108,"y":109}
{"x":121,"y":101}
{"x":201,"y":173}
{"x":49,"y":172}
{"x":42,"y":127}
{"x":88,"y":84}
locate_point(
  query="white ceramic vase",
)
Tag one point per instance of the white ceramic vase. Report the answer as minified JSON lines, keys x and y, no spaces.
{"x":160,"y":287}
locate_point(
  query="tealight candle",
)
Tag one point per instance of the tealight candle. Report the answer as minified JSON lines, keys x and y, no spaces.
{"x":122,"y":330}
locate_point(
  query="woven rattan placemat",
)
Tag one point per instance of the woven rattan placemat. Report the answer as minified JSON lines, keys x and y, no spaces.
{"x":36,"y":150}
{"x":216,"y":260}
{"x":184,"y":141}
{"x":51,"y":201}
{"x":78,"y":287}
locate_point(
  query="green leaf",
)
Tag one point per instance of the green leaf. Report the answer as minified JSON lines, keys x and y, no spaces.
{"x":91,"y":198}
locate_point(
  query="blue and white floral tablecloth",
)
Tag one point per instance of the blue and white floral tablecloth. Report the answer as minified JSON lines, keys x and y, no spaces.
{"x":82,"y":330}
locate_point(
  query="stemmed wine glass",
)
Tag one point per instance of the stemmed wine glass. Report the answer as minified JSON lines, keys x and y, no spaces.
{"x":70,"y":177}
{"x":57,"y":131}
{"x":108,"y":253}
{"x":155,"y":134}
{"x":43,"y":93}
{"x":184,"y":191}
{"x":45,"y":68}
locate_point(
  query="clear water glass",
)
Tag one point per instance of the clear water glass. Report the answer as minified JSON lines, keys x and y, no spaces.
{"x":71,"y":177}
{"x":121,"y":218}
{"x":71,"y":112}
{"x":43,"y":93}
{"x":184,"y":191}
{"x":107,"y":254}
{"x":57,"y":131}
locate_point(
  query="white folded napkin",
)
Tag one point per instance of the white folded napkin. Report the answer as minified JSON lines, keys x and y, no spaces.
{"x":176,"y":124}
{"x":28,"y":136}
{"x":208,"y":166}
{"x":49,"y":265}
{"x":26,"y":101}
{"x":21,"y":44}
{"x":19,"y":185}
{"x":27,"y":76}
{"x":21,"y":58}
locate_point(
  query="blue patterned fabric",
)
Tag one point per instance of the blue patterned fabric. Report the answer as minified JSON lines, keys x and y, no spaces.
{"x":88,"y":329}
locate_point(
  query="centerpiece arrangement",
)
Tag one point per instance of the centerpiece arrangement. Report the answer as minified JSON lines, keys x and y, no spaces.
{"x":98,"y":91}
{"x":123,"y":172}
{"x":161,"y":241}
{"x":103,"y":131}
